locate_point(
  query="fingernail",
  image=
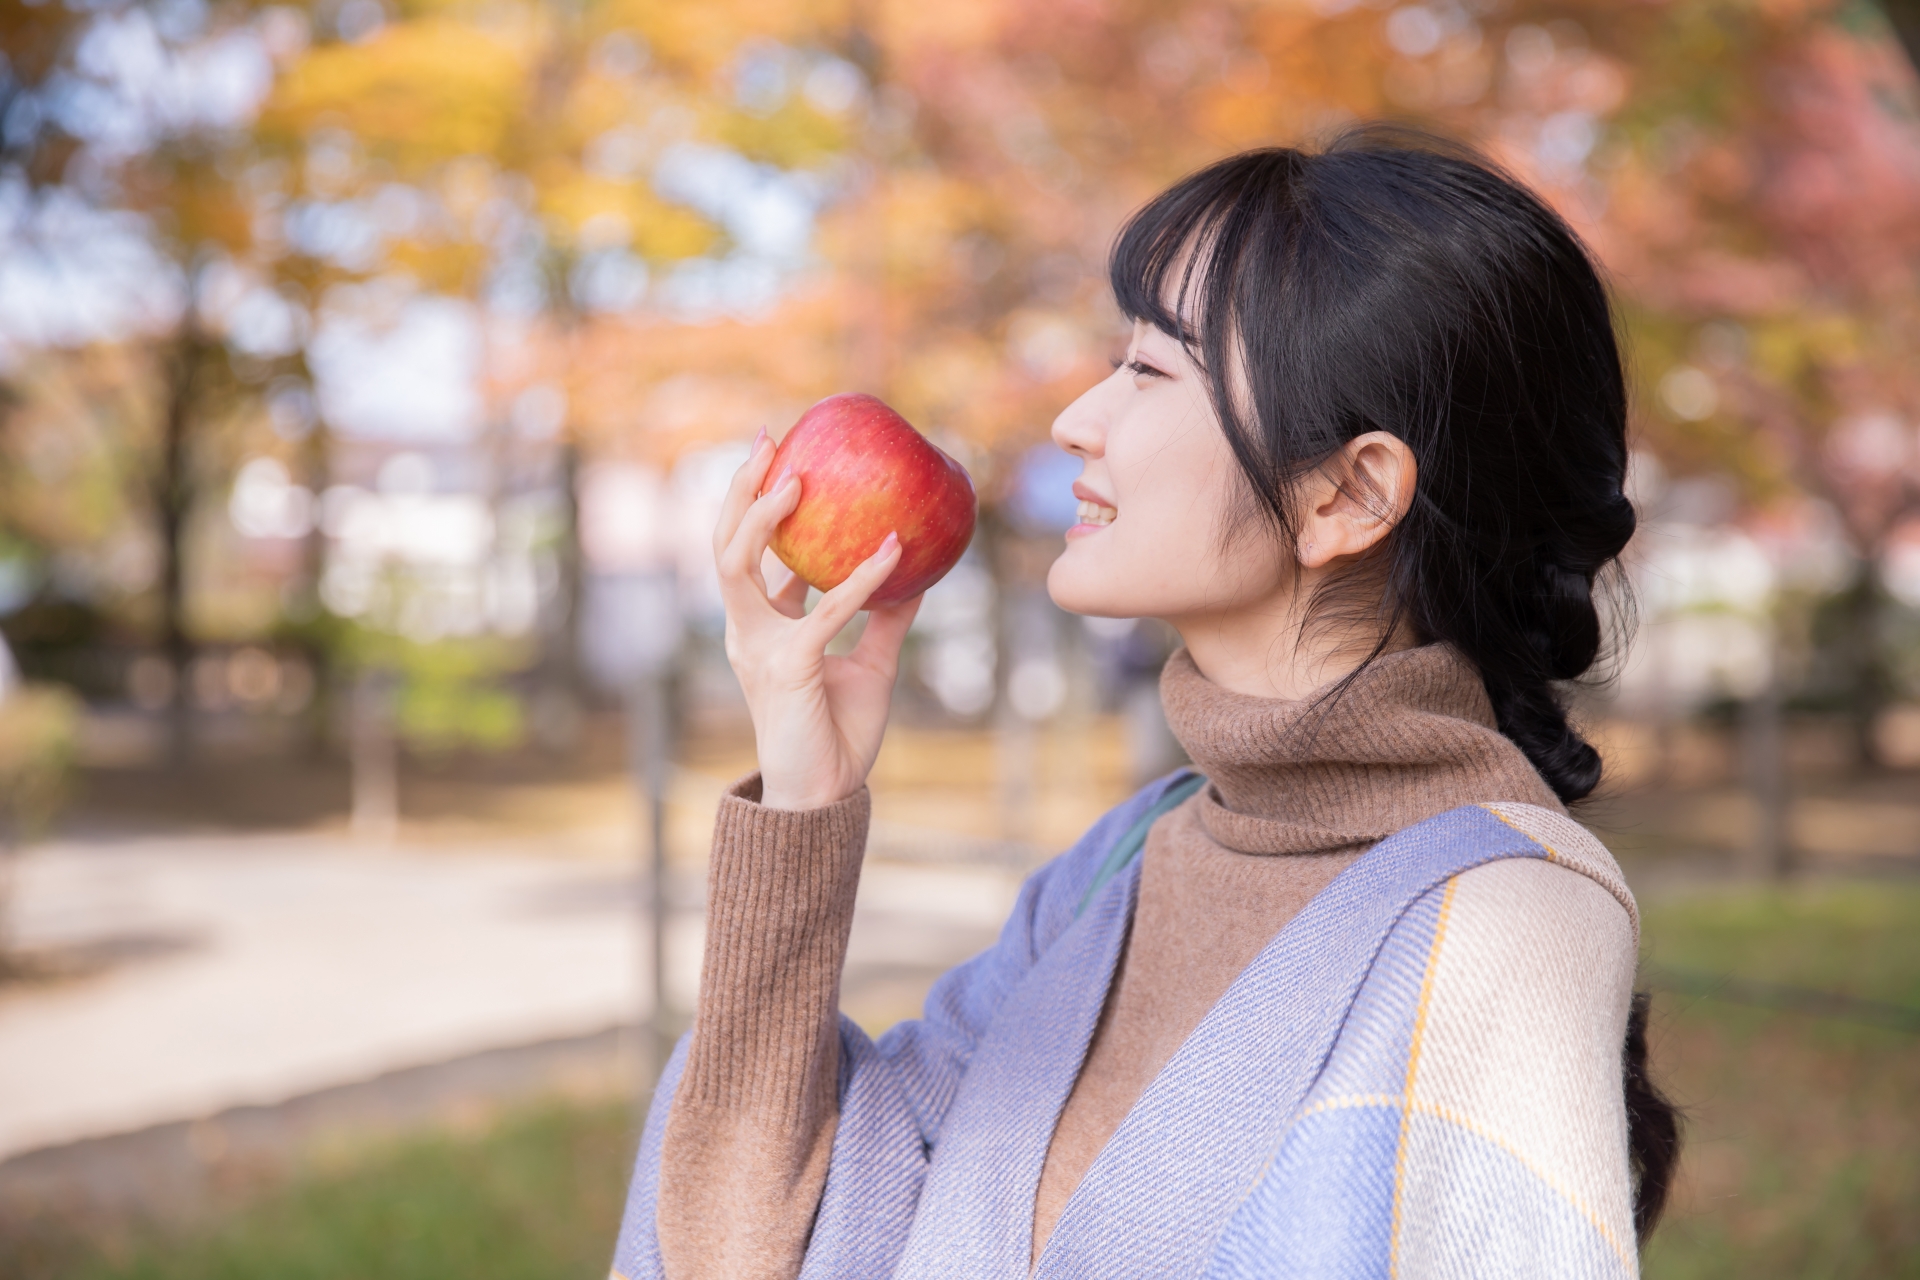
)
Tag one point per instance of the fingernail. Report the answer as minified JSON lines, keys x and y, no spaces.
{"x":759,"y":440}
{"x":786,"y":474}
{"x":887,"y":544}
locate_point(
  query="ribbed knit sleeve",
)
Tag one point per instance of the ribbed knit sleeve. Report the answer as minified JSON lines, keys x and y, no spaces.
{"x":746,"y":1147}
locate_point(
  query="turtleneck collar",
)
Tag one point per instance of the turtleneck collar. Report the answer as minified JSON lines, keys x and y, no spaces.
{"x":1412,"y":736}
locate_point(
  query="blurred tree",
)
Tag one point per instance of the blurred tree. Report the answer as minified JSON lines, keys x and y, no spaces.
{"x":679,"y":220}
{"x":37,"y":40}
{"x":514,"y":135}
{"x":143,"y":111}
{"x":1764,"y":215}
{"x":73,"y":431}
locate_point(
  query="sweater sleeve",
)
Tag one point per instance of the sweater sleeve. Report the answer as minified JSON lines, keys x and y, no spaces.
{"x":1469,"y":1119}
{"x":744,"y":1157}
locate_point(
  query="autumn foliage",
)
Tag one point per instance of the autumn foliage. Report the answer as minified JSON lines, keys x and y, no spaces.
{"x":683,"y":221}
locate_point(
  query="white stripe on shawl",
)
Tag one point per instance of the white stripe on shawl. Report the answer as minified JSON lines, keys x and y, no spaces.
{"x":1569,"y":843}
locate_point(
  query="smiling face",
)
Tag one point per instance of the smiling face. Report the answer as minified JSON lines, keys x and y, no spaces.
{"x":1159,"y":492}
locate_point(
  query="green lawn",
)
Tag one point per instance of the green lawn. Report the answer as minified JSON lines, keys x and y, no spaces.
{"x":536,"y":1198}
{"x":1803,"y":1133}
{"x":1803,"y":1143}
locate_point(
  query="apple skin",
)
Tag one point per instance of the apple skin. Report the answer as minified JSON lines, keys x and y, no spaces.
{"x":864,"y":472}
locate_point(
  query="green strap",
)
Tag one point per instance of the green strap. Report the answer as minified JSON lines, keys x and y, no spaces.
{"x":1128,"y":846}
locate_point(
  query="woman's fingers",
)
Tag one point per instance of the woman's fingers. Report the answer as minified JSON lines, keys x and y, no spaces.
{"x":741,"y":491}
{"x":739,"y":560}
{"x":837,"y":607}
{"x":879,"y":647}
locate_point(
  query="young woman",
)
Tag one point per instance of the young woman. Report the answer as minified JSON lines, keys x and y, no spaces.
{"x":1352,"y":997}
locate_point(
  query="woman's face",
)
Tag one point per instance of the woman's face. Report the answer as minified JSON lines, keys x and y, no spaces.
{"x":1158,"y":490}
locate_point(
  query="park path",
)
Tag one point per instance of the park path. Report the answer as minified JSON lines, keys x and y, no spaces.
{"x":251,"y":969}
{"x":246,"y":970}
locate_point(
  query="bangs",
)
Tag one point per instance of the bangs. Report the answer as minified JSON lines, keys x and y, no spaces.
{"x":1158,"y":248}
{"x":1173,"y":265}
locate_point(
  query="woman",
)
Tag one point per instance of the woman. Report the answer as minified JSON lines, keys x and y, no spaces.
{"x":1351,"y":999}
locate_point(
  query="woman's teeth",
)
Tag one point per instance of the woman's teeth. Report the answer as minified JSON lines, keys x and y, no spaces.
{"x":1094,"y":513}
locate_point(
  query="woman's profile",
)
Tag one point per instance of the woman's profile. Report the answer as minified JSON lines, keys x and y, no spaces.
{"x":1353,"y":996}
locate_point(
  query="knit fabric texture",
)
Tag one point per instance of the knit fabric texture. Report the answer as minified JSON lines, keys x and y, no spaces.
{"x":1418,"y":1077}
{"x":1410,"y":736}
{"x":1219,"y":1064}
{"x":753,"y":1121}
{"x":1298,"y":791}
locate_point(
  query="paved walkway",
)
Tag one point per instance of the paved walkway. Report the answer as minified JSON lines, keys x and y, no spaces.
{"x":278,"y":965}
{"x":253,"y":969}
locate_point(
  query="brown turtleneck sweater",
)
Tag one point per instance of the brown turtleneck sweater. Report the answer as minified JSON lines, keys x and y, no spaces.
{"x":1298,"y":791}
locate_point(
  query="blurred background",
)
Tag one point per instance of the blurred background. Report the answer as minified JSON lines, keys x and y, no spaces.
{"x":370,"y":371}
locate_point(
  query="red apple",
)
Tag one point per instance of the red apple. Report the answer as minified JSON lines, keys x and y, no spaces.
{"x":864,"y":472}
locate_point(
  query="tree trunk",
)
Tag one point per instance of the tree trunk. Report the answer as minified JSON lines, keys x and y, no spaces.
{"x":306,"y":608}
{"x":1869,"y":681}
{"x":173,"y":495}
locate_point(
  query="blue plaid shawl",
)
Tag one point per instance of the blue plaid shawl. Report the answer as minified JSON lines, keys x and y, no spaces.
{"x":1294,"y":1133}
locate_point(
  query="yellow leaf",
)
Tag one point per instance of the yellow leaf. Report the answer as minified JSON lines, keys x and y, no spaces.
{"x":659,"y":231}
{"x":415,"y":94}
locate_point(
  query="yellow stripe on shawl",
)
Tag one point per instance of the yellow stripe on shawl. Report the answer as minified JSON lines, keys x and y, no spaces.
{"x":1413,"y":1067}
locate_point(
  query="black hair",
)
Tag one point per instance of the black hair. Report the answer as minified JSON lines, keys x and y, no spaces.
{"x":1653,"y":1125}
{"x":1397,"y":282}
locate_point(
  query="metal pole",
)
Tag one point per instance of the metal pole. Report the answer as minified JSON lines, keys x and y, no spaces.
{"x":1767,"y":775}
{"x":657,"y":866}
{"x":373,"y":759}
{"x":649,"y":727}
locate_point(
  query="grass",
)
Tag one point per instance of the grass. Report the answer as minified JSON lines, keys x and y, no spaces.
{"x":1802,"y":1153}
{"x":538,"y":1197}
{"x":1802,"y":1157}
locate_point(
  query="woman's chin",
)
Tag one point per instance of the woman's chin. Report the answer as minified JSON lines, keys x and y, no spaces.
{"x":1078,"y":588}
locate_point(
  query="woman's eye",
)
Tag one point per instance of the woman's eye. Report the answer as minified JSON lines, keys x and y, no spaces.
{"x":1140,"y":370}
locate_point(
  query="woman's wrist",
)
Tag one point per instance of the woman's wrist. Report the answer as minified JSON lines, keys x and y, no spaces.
{"x":798,"y":798}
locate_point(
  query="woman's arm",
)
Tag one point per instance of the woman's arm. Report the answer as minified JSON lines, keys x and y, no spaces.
{"x":746,"y":1146}
{"x":745,"y":1149}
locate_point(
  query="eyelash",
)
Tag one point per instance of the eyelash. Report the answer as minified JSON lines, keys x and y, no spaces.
{"x":1137,"y":369}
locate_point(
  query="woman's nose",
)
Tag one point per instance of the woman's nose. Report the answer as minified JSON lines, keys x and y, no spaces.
{"x":1081,"y":427}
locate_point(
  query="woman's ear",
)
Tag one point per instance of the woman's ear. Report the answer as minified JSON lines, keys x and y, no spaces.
{"x":1356,"y":498}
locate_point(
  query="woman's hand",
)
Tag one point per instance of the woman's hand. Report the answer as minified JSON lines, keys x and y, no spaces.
{"x":817,"y":719}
